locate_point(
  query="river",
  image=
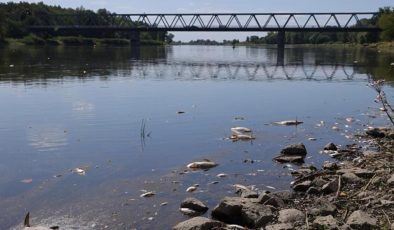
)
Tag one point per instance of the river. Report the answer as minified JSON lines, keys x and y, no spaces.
{"x":133,"y":120}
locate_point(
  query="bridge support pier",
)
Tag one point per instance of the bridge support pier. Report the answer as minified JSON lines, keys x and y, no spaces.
{"x":281,"y":39}
{"x":135,"y":38}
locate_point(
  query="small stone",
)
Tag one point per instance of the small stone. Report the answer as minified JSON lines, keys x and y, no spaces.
{"x":376,"y":132}
{"x":194,"y":204}
{"x":271,"y":199}
{"x":325,"y":222}
{"x":286,"y":226}
{"x":330,"y":165}
{"x":323,"y":208}
{"x":292,"y":159}
{"x":390,"y":181}
{"x":242,"y":211}
{"x":330,"y":146}
{"x":302,"y":187}
{"x":351,"y":178}
{"x":290,"y":216}
{"x":295,"y":149}
{"x":198,"y":223}
{"x":331,"y":186}
{"x":313,"y":190}
{"x":361,"y":220}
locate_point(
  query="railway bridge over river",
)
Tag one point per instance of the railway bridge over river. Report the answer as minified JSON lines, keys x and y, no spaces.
{"x":218,"y":22}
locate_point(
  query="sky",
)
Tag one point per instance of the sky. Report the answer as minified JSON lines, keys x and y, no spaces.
{"x":221,"y":6}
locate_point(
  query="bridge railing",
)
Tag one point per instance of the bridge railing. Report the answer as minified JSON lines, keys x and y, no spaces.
{"x":221,"y":21}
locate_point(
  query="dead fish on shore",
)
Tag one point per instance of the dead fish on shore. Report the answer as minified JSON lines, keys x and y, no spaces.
{"x":221,"y":175}
{"x":288,"y":122}
{"x":80,"y":171}
{"x":27,"y":226}
{"x":188,"y":211}
{"x":206,"y":164}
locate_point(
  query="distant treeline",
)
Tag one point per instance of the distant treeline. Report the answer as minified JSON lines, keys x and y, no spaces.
{"x":384,"y":19}
{"x":15,"y":17}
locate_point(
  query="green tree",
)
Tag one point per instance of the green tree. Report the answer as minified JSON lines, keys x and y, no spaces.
{"x":386,"y":23}
{"x":2,"y":26}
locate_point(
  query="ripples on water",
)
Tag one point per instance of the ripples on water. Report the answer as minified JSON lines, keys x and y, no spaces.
{"x":68,"y":107}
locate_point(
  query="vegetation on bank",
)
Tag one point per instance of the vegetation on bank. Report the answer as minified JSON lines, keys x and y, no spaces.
{"x":16,"y":17}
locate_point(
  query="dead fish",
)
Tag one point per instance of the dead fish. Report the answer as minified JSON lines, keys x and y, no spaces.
{"x":206,"y":164}
{"x":241,"y":129}
{"x":288,"y":122}
{"x":350,"y":119}
{"x":241,"y":187}
{"x":164,"y":204}
{"x":191,"y":189}
{"x":221,"y":175}
{"x":27,"y":226}
{"x":312,"y":139}
{"x":235,"y":227}
{"x":188,"y":211}
{"x":244,"y":137}
{"x":80,"y":171}
{"x":147,"y":194}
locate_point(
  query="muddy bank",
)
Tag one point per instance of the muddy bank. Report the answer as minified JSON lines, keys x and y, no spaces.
{"x":353,"y":191}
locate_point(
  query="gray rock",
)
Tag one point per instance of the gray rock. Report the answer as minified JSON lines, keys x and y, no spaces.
{"x":323,"y":208}
{"x":242,"y":211}
{"x":295,"y":149}
{"x":313,"y":190}
{"x":363,"y":173}
{"x":351,"y":178}
{"x":325,"y":222}
{"x":361,"y":220}
{"x":392,"y":226}
{"x":291,"y":159}
{"x":271,"y":199}
{"x":319,"y":182}
{"x":376,"y":132}
{"x":198,"y":223}
{"x":330,"y":165}
{"x":290,"y":216}
{"x":249,"y":194}
{"x":303,"y":186}
{"x":284,"y":195}
{"x":194,"y":204}
{"x":286,"y":226}
{"x":390,"y":181}
{"x":330,"y":146}
{"x":331,"y":186}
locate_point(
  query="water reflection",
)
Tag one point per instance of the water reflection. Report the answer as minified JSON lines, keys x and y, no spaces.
{"x":47,"y":138}
{"x":41,"y":66}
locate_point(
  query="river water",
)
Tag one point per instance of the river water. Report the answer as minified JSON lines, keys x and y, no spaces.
{"x":115,"y":113}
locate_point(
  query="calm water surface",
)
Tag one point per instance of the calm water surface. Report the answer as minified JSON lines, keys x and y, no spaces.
{"x":68,"y":107}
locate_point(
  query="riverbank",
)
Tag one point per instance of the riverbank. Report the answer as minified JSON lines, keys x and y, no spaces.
{"x":79,"y":41}
{"x":354,"y":192}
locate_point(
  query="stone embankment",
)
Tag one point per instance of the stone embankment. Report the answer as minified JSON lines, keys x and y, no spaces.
{"x":354,"y":191}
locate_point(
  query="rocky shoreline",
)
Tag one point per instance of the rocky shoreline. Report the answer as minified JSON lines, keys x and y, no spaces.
{"x":355,"y":191}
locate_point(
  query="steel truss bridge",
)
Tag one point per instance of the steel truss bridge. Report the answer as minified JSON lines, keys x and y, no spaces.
{"x":303,"y":22}
{"x":214,"y":22}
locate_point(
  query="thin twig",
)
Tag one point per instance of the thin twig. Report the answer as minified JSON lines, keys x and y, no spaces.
{"x":339,"y":186}
{"x":387,"y":217}
{"x":369,"y":182}
{"x":306,"y":220}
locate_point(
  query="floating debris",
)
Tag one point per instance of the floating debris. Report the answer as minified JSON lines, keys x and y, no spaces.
{"x":191,"y":189}
{"x":180,"y":112}
{"x":147,"y":194}
{"x":270,"y":187}
{"x":350,"y":119}
{"x":27,"y":181}
{"x":288,"y":122}
{"x":11,"y":66}
{"x":206,"y":164}
{"x":239,"y":118}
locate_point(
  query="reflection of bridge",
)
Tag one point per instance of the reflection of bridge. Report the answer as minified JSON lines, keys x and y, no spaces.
{"x":280,"y":22}
{"x":242,"y":71}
